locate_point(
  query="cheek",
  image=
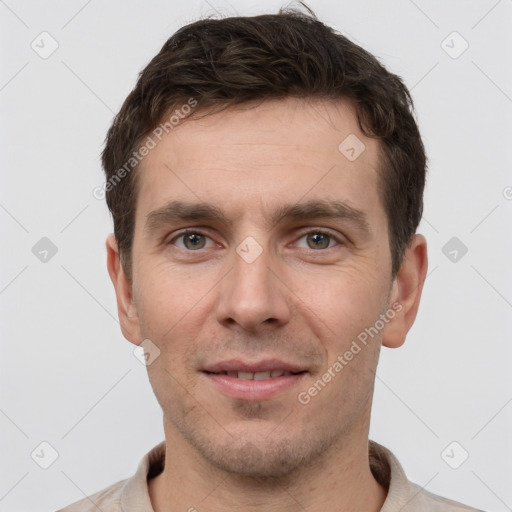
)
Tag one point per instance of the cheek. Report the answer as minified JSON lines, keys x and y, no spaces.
{"x":166,"y":296}
{"x":346,"y":300}
{"x":171,"y":307}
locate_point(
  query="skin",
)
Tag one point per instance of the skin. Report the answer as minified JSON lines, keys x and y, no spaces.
{"x":295,"y":302}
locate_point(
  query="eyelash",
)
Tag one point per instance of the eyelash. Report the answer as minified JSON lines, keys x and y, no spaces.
{"x":310,"y":231}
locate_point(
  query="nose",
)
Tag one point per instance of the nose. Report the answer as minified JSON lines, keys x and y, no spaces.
{"x":252,"y":295}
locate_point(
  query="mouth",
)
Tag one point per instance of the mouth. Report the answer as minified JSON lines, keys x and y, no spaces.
{"x":253,"y":380}
{"x":269,"y":374}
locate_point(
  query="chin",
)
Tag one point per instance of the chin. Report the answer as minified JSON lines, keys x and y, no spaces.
{"x":253,"y":454}
{"x":246,"y":459}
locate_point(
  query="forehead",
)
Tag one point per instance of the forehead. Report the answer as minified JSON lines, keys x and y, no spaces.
{"x":251,"y":161}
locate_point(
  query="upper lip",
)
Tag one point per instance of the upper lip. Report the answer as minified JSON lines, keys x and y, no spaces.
{"x":253,"y":367}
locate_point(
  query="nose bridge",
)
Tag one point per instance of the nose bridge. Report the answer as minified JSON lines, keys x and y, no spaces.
{"x":251,"y":294}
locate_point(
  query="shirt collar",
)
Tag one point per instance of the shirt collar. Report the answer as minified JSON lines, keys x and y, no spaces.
{"x":384,"y":465}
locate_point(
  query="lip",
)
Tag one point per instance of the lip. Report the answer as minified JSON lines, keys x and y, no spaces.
{"x":253,"y":390}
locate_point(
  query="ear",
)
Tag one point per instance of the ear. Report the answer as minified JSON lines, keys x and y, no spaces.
{"x":406,"y":292}
{"x":126,"y":308}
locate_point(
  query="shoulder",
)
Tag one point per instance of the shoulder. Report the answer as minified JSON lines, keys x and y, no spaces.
{"x":422,"y":499}
{"x":131,"y":493}
{"x":106,"y":500}
{"x":404,"y":495}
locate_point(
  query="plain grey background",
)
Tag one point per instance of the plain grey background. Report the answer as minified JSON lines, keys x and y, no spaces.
{"x":68,"y":377}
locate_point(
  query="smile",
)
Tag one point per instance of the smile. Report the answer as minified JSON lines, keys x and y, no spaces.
{"x":252,"y":381}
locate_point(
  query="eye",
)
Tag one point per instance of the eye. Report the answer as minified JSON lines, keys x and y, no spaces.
{"x":317,"y":239}
{"x":192,"y":240}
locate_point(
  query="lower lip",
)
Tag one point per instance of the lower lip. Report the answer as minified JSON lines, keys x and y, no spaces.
{"x":253,"y":389}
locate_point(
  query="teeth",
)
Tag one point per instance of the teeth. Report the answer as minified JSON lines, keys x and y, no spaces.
{"x":270,"y":374}
{"x":261,"y":375}
{"x":257,"y":375}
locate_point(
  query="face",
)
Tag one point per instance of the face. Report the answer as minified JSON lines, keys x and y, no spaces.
{"x":260,"y":256}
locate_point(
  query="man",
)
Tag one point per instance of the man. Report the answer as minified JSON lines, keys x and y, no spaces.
{"x":265,"y":178}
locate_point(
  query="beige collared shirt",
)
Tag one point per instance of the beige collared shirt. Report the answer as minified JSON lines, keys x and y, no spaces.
{"x":131,"y":495}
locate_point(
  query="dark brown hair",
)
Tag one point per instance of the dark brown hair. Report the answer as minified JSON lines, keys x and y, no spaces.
{"x":214,"y":64}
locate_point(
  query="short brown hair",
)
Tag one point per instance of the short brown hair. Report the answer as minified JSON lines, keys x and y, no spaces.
{"x":231,"y":61}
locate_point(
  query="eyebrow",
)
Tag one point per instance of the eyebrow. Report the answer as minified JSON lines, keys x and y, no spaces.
{"x":176,"y":211}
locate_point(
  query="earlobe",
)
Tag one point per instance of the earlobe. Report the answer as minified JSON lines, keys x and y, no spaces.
{"x":126,"y":308}
{"x":406,"y":292}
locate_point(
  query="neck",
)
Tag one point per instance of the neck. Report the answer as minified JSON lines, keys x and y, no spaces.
{"x":340,"y":478}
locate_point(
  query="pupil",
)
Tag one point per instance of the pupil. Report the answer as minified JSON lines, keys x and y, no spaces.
{"x":319,"y":237}
{"x":195,"y":240}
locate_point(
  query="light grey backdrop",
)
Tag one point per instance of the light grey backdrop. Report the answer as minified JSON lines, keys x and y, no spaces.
{"x":68,"y":377}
